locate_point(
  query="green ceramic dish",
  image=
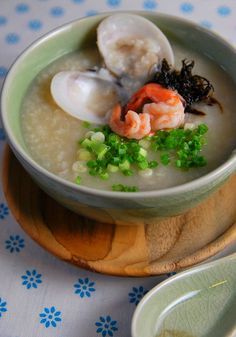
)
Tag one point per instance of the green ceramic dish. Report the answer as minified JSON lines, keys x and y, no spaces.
{"x":101,"y":205}
{"x":199,"y":302}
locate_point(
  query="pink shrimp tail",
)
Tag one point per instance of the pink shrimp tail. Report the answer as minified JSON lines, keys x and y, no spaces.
{"x":134,"y":126}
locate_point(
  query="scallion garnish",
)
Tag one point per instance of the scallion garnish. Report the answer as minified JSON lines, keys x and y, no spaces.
{"x":86,"y":125}
{"x":78,"y":180}
{"x":124,"y":188}
{"x":110,"y":153}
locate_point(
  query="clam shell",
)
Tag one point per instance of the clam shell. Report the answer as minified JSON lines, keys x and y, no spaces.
{"x":130,"y":45}
{"x":88,"y":96}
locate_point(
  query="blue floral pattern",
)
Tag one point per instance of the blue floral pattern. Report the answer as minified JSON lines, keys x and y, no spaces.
{"x":15,"y":243}
{"x":12,"y":38}
{"x":224,"y":10}
{"x":137,"y":294}
{"x":22,"y":8}
{"x":3,"y":20}
{"x":3,"y":137}
{"x":206,"y":24}
{"x":171,"y":274}
{"x":78,"y":1}
{"x":57,"y":11}
{"x":4,"y":211}
{"x":3,"y":307}
{"x":3,"y":71}
{"x":106,"y":326}
{"x":113,"y":3}
{"x":186,"y":7}
{"x":31,"y":279}
{"x":150,"y":4}
{"x":35,"y":24}
{"x":50,"y":317}
{"x":37,"y":290}
{"x":84,"y":287}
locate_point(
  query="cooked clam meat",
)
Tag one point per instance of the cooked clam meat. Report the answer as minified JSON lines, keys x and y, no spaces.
{"x":130,"y":45}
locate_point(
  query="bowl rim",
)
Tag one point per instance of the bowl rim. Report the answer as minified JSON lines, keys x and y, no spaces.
{"x":182,"y":274}
{"x":198,"y":183}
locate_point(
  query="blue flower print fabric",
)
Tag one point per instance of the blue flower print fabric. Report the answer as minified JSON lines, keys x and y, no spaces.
{"x":84,"y":287}
{"x":3,"y":307}
{"x":31,"y":279}
{"x":137,"y":294}
{"x":106,"y":326}
{"x":4,"y":211}
{"x":14,"y":244}
{"x":41,"y":296}
{"x":50,"y":317}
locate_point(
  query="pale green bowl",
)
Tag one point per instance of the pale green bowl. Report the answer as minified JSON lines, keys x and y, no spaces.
{"x":199,"y":302}
{"x":101,"y":205}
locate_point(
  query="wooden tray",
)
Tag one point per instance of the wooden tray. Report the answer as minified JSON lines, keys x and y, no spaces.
{"x":120,"y":250}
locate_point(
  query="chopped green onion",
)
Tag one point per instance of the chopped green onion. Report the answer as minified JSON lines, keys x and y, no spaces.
{"x":153,"y":164}
{"x":78,"y":180}
{"x":99,"y":149}
{"x":184,"y":144}
{"x":93,"y":172}
{"x":122,"y":150}
{"x":124,"y":188}
{"x":165,"y":159}
{"x":91,"y":163}
{"x":116,"y":160}
{"x":113,"y":138}
{"x":86,"y":124}
{"x":202,"y":129}
{"x":125,"y":165}
{"x":118,"y":188}
{"x":178,"y":163}
{"x":97,"y":129}
{"x":86,"y":143}
{"x":143,"y":152}
{"x":89,"y":134}
{"x":103,"y":151}
{"x":112,"y":168}
{"x":104,"y":175}
{"x":98,"y":137}
{"x":84,"y":154}
{"x":142,"y":165}
{"x":128,"y":172}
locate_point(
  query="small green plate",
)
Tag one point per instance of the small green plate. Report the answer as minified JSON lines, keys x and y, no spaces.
{"x":200,"y":302}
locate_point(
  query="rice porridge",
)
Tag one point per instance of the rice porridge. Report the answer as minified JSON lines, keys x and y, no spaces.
{"x":52,"y":136}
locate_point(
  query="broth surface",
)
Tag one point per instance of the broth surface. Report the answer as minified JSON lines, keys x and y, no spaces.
{"x":51,"y":135}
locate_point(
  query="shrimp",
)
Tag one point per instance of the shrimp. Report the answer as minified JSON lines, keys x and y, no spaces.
{"x":135,"y":126}
{"x":165,"y":116}
{"x":167,"y":107}
{"x":161,"y":108}
{"x":155,"y":93}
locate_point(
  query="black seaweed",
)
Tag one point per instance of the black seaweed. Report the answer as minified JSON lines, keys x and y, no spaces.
{"x":193,"y":88}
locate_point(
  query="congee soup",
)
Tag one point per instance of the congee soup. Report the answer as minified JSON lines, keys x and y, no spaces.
{"x":135,"y":113}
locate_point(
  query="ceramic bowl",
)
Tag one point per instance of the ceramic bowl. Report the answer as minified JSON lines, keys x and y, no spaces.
{"x":199,"y":302}
{"x":101,"y":205}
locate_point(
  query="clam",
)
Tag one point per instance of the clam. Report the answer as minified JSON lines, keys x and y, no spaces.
{"x":131,"y":45}
{"x":88,"y":96}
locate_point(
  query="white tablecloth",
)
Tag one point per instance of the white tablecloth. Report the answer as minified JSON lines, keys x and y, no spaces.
{"x":41,"y":296}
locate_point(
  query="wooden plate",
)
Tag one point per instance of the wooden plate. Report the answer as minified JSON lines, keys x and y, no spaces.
{"x":121,"y":250}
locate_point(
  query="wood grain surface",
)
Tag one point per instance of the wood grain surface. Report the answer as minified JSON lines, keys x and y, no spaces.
{"x":144,"y":250}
